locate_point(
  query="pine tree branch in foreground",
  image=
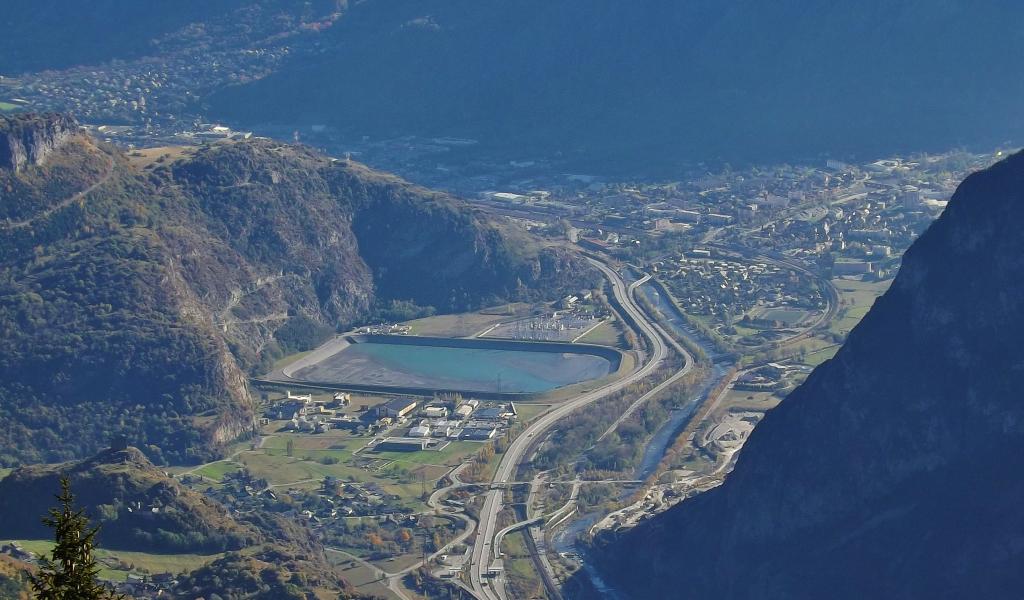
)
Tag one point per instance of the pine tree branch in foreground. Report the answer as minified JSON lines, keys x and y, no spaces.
{"x":71,"y":572}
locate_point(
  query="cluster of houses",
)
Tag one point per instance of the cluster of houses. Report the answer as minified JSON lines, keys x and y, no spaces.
{"x":352,"y":499}
{"x":245,"y":493}
{"x":720,"y":287}
{"x":139,"y":585}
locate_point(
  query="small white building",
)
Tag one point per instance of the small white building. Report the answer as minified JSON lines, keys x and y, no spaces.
{"x":420,"y":431}
{"x":307,"y":398}
{"x":435,"y":412}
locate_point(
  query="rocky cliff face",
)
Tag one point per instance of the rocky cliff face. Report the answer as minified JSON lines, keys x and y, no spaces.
{"x":138,"y":301}
{"x":894,"y":470}
{"x":28,"y":141}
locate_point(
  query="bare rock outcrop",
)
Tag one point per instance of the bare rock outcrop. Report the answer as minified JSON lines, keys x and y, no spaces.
{"x":29,"y":138}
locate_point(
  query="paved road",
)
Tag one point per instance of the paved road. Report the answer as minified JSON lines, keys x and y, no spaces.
{"x":393,"y":579}
{"x":481,"y":557}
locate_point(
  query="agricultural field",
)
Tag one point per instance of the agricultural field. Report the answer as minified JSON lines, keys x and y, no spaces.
{"x":855,"y":298}
{"x":360,"y":576}
{"x":860,"y":293}
{"x":301,"y":461}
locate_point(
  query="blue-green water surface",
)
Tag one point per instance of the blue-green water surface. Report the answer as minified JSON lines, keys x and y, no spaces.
{"x":445,"y":367}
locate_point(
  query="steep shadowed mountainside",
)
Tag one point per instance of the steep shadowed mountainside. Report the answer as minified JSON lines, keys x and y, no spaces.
{"x":136,"y":300}
{"x":650,"y":82}
{"x":894,"y":471}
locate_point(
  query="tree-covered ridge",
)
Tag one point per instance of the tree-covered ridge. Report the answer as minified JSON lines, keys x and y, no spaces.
{"x":136,"y":300}
{"x":123,"y":503}
{"x":97,"y":337}
{"x":137,"y":505}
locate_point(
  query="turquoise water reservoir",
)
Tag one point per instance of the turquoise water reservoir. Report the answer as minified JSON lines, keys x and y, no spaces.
{"x":456,"y":368}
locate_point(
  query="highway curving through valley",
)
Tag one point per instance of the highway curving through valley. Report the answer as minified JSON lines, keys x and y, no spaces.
{"x":484,"y":587}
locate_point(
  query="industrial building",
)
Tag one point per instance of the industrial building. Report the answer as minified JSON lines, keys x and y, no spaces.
{"x":396,"y":408}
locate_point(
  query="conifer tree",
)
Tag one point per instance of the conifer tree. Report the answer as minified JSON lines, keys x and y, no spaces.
{"x":71,"y":573}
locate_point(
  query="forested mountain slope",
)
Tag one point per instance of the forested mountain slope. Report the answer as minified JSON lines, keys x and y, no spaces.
{"x":136,"y":300}
{"x":894,"y":470}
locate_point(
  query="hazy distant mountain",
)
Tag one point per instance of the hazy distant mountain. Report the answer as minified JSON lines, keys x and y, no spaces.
{"x":136,"y":299}
{"x":49,"y":34}
{"x":56,"y":34}
{"x":652,"y":81}
{"x":894,"y":471}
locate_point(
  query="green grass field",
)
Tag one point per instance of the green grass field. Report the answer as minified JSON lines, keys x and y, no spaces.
{"x":856,"y":298}
{"x":451,"y":455}
{"x":396,"y":472}
{"x":527,"y":412}
{"x":788,"y":316}
{"x":7,"y":106}
{"x":138,"y":561}
{"x":816,"y":357}
{"x":847,"y":319}
{"x":519,"y":570}
{"x":216,"y":471}
{"x":860,"y":293}
{"x":605,"y":334}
